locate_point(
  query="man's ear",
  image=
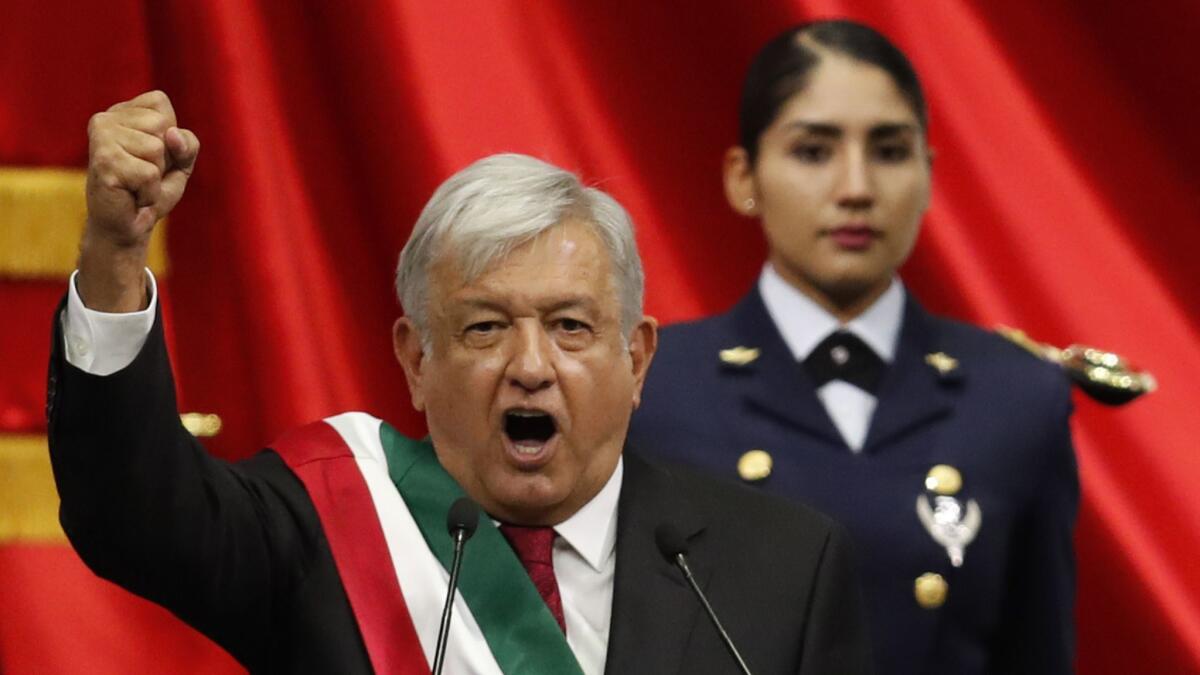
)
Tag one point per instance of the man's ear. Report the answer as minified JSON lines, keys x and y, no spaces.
{"x":740,"y":189}
{"x":642,"y":345}
{"x":406,"y":345}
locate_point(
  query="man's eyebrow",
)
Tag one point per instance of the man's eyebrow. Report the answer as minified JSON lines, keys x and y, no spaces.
{"x":553,"y":305}
{"x":482,"y":303}
{"x":571,"y":302}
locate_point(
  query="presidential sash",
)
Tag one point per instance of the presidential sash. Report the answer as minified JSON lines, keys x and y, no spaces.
{"x":382,"y":500}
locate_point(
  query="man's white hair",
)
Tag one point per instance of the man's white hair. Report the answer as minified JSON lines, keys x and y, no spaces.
{"x":500,"y":202}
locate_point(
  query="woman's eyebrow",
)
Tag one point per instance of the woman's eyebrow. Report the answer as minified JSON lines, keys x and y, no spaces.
{"x":826,"y":129}
{"x":890,"y":130}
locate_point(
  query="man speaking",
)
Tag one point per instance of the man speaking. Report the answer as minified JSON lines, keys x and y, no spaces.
{"x":524,"y":344}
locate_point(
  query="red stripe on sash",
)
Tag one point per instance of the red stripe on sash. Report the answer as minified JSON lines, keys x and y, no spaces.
{"x":317,"y":455}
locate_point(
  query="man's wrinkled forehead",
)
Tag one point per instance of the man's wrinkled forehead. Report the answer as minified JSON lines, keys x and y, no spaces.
{"x":466,"y":260}
{"x":566,"y":264}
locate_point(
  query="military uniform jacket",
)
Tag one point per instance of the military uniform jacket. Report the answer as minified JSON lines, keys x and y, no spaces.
{"x":991,"y":410}
{"x":237,"y":549}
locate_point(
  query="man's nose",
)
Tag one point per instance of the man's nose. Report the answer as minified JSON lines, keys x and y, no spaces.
{"x":531,"y":366}
{"x":855,"y":188}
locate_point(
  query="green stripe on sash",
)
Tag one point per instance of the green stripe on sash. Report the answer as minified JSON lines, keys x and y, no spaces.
{"x":517,"y":625}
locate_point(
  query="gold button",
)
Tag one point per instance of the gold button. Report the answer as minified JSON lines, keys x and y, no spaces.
{"x":944,"y":480}
{"x":755,"y":465}
{"x":930,"y":590}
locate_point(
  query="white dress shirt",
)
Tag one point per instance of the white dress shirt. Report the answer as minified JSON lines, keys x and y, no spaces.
{"x":804,"y":324}
{"x":584,"y":555}
{"x":584,"y":562}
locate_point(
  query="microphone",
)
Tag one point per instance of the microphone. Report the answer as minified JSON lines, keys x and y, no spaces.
{"x":461,"y":521}
{"x":674,"y":548}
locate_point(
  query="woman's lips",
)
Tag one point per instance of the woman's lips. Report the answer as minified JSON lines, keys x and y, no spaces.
{"x":853,"y":237}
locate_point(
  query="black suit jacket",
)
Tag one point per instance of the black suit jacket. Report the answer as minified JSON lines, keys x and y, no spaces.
{"x":237,"y":550}
{"x":999,"y":415}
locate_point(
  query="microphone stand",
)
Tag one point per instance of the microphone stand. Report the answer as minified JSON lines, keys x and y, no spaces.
{"x":439,"y":657}
{"x":461,"y":521}
{"x":681,"y":562}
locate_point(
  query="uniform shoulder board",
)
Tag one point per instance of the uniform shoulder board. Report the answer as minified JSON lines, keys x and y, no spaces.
{"x":1104,"y":376}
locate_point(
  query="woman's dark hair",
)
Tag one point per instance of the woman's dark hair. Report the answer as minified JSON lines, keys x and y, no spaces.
{"x":782,"y":67}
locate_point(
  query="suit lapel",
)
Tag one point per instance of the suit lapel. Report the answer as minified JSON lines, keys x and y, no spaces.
{"x":913,"y":392}
{"x":653,"y":611}
{"x":774,"y":383}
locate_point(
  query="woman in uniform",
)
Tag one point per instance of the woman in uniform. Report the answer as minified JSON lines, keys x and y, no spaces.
{"x":943,"y":448}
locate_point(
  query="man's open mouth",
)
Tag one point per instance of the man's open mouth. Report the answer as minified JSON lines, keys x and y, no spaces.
{"x":529,"y":428}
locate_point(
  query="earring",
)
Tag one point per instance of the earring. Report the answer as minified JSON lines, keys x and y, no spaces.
{"x":750,"y":203}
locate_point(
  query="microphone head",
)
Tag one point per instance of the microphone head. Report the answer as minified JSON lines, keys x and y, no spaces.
{"x":670,"y":540}
{"x":463,"y":515}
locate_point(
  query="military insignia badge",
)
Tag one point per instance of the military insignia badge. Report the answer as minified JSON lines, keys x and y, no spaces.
{"x":942,"y":362}
{"x":952,"y":524}
{"x":738,"y":356}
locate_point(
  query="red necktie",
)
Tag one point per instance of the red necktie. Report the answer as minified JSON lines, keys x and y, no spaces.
{"x":534,"y":546}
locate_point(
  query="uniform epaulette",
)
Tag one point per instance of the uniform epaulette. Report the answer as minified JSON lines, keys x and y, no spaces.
{"x":1104,"y":376}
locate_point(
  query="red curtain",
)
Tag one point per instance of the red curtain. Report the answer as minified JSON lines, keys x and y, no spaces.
{"x":1065,"y":203}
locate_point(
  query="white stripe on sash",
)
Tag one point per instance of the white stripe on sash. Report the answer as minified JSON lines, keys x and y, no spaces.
{"x":423,"y":580}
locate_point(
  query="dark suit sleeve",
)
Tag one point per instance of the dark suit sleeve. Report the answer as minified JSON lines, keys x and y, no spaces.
{"x":835,"y":638}
{"x":146,"y":507}
{"x":1038,"y":632}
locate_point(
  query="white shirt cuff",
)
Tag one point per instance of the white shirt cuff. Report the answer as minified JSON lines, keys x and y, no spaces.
{"x":101,"y":343}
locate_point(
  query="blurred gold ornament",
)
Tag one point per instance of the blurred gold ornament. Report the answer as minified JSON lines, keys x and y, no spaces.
{"x":1104,"y":376}
{"x":201,"y":425}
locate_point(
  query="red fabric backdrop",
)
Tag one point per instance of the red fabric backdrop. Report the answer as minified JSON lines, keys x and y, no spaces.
{"x":1065,"y":203}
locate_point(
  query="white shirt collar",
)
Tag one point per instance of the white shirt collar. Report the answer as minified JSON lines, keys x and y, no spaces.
{"x":803,"y":323}
{"x":592,"y":530}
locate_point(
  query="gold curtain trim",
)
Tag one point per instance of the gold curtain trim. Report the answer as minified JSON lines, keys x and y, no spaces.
{"x":28,"y":498}
{"x":42,"y":213}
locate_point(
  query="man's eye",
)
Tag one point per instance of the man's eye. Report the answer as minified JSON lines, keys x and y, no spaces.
{"x":572,"y":325}
{"x":813,"y":153}
{"x":483,"y":327}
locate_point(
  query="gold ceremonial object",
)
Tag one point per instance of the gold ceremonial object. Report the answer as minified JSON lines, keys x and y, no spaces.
{"x":738,"y":356}
{"x":201,"y":425}
{"x":944,"y":480}
{"x":1104,"y":376}
{"x":942,"y":362}
{"x":755,"y":465}
{"x":931,"y":590}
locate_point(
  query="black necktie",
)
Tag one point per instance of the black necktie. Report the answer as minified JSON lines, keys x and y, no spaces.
{"x":844,"y":356}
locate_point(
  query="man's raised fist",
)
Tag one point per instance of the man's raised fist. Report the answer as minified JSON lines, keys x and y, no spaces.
{"x":139,"y":162}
